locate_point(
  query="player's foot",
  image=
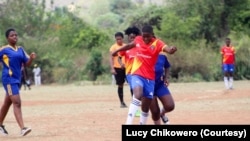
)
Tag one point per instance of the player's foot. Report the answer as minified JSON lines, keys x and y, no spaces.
{"x":3,"y":131}
{"x":138,"y":113}
{"x":123,"y":105}
{"x":164,"y":119}
{"x":25,"y":131}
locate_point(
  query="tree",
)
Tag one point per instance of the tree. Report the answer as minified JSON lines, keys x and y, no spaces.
{"x":24,"y":15}
{"x":94,"y":66}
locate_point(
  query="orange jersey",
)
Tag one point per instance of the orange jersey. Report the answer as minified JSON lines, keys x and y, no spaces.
{"x":129,"y":56}
{"x":116,"y":63}
{"x":228,"y":54}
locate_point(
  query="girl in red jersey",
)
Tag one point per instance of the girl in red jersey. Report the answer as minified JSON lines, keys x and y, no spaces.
{"x":143,"y":74}
{"x":228,"y":61}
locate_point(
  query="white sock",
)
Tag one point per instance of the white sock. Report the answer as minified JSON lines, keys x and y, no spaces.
{"x":143,"y":118}
{"x":162,"y":111}
{"x":231,"y":82}
{"x":133,"y":107}
{"x":226,"y":82}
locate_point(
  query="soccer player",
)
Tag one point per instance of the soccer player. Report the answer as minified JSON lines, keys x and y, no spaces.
{"x":12,"y":58}
{"x":117,"y":68}
{"x":228,"y":63}
{"x":161,"y":91}
{"x":143,"y":74}
{"x":37,"y":75}
{"x":129,"y":55}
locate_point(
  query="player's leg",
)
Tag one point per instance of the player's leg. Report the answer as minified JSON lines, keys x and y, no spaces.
{"x":230,"y":73}
{"x":166,"y":99}
{"x":36,"y":81}
{"x":120,"y":79}
{"x":226,"y":75}
{"x":13,"y":92}
{"x":129,"y":79}
{"x":137,"y":86}
{"x":3,"y":112}
{"x":155,"y":111}
{"x":39,"y":80}
{"x":148,"y":91}
{"x":168,"y":106}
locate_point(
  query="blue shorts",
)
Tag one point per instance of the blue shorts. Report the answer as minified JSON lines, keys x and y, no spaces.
{"x":129,"y":77}
{"x":11,"y":89}
{"x":161,"y":89}
{"x":228,"y":67}
{"x":146,"y":84}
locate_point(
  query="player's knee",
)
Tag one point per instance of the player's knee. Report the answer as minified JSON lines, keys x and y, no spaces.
{"x":156,"y":116}
{"x":169,"y":107}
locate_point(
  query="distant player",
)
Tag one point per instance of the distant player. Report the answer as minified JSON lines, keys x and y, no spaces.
{"x":228,"y":63}
{"x":117,"y":68}
{"x":129,"y":55}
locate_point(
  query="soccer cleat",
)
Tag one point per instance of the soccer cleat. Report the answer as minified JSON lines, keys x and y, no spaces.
{"x":25,"y":131}
{"x":123,"y":105}
{"x":3,"y":131}
{"x":164,"y":119}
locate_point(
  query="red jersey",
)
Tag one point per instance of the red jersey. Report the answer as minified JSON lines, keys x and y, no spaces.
{"x":228,"y":54}
{"x":129,"y":58}
{"x":146,"y":57}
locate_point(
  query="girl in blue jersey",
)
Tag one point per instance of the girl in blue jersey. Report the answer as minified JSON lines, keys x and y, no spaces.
{"x":161,"y":91}
{"x":12,"y":57}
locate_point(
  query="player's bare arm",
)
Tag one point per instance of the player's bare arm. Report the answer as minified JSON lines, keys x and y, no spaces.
{"x":170,"y":50}
{"x":125,"y":47}
{"x":111,"y":63}
{"x":32,"y":57}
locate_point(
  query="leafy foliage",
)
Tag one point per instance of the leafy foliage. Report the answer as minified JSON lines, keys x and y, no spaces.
{"x":70,"y":49}
{"x":94,"y":66}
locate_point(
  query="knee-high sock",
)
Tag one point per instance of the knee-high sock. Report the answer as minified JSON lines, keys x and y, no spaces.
{"x":133,"y":107}
{"x":120,"y":94}
{"x":163,"y":111}
{"x":226,"y":82}
{"x":231,"y":82}
{"x":143,"y":118}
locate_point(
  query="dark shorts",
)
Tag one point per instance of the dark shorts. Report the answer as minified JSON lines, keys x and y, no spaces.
{"x":120,"y":76}
{"x":161,"y":89}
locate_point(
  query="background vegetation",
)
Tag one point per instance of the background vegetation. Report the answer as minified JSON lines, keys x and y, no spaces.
{"x":72,"y":46}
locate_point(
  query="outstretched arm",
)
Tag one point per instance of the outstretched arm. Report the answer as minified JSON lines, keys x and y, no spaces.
{"x":125,"y":47}
{"x":32,"y":57}
{"x":170,"y":50}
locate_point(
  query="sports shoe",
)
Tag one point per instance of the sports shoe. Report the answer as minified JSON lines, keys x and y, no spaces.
{"x":138,"y":113}
{"x":25,"y":131}
{"x":3,"y":131}
{"x":123,"y":105}
{"x":164,"y":119}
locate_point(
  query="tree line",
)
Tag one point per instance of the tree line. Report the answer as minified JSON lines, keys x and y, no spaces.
{"x":70,"y":49}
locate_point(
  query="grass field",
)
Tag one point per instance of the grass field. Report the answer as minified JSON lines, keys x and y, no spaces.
{"x":88,"y":112}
